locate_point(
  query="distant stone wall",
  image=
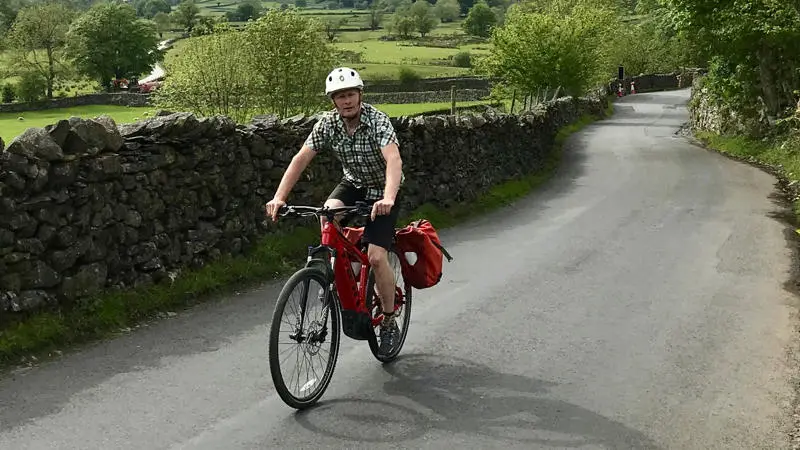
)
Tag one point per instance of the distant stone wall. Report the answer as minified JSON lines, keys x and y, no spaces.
{"x":436,"y":91}
{"x":424,"y":91}
{"x":462,"y":95}
{"x":428,"y":84}
{"x":103,"y":98}
{"x":87,"y":205}
{"x":654,"y":82}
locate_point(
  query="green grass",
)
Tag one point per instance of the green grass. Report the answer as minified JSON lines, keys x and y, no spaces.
{"x":382,"y":60}
{"x":11,"y":126}
{"x":372,"y":72}
{"x":274,"y":256}
{"x":404,"y":52}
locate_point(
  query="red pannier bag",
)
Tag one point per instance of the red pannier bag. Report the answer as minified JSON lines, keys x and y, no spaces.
{"x":420,"y":239}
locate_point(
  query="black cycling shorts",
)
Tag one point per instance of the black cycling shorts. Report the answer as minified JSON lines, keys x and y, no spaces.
{"x":379,"y":232}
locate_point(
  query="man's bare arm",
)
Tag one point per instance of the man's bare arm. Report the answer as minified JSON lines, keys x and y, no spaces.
{"x":394,"y":169}
{"x":299,"y":163}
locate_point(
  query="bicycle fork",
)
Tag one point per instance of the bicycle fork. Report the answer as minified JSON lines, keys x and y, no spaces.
{"x":315,"y":336}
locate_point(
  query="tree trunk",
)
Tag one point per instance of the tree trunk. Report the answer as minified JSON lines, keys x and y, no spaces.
{"x":51,"y":72}
{"x":768,"y":84}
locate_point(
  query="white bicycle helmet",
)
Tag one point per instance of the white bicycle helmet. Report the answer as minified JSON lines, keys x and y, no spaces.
{"x":342,"y":78}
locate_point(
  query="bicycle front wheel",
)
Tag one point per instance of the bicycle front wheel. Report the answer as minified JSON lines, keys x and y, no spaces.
{"x":309,"y":337}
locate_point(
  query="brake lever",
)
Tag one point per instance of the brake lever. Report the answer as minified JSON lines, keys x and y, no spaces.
{"x":363,"y":208}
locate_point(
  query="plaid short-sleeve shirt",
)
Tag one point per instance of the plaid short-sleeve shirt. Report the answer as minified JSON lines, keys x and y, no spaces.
{"x":360,"y":154}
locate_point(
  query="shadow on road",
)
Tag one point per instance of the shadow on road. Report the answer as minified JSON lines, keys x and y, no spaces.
{"x":463,"y":397}
{"x":207,"y":327}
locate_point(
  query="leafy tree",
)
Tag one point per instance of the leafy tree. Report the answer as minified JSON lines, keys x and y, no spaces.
{"x":31,"y":87}
{"x":211,"y":76}
{"x":39,"y":35}
{"x":8,"y":12}
{"x":645,"y":48}
{"x":402,"y":22}
{"x":246,"y":10}
{"x":332,"y":27}
{"x":757,"y":42}
{"x":186,"y":14}
{"x":376,"y":10}
{"x":163,"y":23}
{"x":290,"y":61}
{"x":109,"y":41}
{"x":466,"y":5}
{"x":149,"y":8}
{"x":423,"y":16}
{"x":210,"y":25}
{"x":448,"y":10}
{"x":276,"y":64}
{"x":480,"y":20}
{"x":567,"y":49}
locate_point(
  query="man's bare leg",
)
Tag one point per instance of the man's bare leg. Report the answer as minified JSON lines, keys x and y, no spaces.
{"x":384,"y":276}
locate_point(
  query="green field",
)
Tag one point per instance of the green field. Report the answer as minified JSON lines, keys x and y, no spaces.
{"x":403,"y":52}
{"x":11,"y":126}
{"x":377,"y":59}
{"x":430,"y":57}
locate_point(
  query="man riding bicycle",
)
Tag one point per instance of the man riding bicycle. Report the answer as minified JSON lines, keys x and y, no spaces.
{"x":364,"y":141}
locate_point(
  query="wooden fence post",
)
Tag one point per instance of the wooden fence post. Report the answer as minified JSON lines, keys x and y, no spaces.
{"x":513,"y":100}
{"x":453,"y":99}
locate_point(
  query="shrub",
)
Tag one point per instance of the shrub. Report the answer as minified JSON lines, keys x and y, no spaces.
{"x":32,"y":87}
{"x":462,"y":59}
{"x":8,"y":93}
{"x":408,"y":77}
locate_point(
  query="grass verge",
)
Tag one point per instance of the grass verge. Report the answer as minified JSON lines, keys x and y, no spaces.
{"x":46,"y":333}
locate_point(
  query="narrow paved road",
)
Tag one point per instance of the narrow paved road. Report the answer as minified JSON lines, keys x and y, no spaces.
{"x":635,"y":302}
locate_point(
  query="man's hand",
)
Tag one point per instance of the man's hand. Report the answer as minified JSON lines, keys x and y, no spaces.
{"x":381,"y":208}
{"x":272,"y":208}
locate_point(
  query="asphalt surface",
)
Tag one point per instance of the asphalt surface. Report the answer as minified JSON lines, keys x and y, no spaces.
{"x":636,"y":301}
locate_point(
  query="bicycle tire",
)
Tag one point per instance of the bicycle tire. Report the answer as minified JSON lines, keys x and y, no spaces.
{"x":370,"y":293}
{"x":315,"y":274}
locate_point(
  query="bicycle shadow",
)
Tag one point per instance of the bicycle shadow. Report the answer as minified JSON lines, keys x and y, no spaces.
{"x":468,"y":398}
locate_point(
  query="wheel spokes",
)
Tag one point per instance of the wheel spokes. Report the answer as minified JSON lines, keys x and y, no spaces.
{"x":307,"y":338}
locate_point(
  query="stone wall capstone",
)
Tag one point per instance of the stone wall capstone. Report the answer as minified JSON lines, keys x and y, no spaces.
{"x":87,"y":205}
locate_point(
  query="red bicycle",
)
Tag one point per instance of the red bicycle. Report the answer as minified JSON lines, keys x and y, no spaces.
{"x":345,"y":293}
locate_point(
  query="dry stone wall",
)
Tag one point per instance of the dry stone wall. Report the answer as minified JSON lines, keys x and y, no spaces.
{"x":87,"y":205}
{"x":100,"y":98}
{"x":462,"y":95}
{"x":709,"y":114}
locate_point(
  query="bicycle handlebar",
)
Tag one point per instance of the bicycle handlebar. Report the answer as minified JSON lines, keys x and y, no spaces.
{"x":360,"y":209}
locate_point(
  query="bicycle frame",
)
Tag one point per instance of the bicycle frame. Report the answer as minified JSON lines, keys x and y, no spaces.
{"x":352,"y":291}
{"x":349,"y":288}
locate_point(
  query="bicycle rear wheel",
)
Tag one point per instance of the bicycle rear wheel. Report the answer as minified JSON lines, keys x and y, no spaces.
{"x":402,"y":308}
{"x":308,"y":334}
